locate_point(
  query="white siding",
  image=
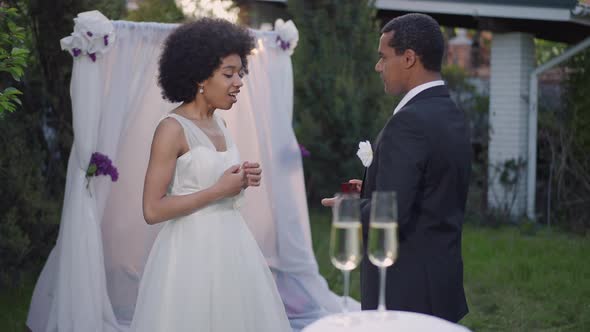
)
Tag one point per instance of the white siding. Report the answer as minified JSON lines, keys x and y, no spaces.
{"x":512,"y":61}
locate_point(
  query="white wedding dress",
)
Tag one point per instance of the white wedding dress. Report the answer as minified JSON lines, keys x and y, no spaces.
{"x":205,"y":271}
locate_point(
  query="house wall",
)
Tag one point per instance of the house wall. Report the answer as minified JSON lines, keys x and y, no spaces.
{"x":512,"y":61}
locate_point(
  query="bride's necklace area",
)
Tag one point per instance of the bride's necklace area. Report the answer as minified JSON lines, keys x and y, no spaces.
{"x":204,"y":124}
{"x":207,"y":124}
{"x":210,"y":128}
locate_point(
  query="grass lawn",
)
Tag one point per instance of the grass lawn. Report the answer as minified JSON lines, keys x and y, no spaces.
{"x":14,"y":306}
{"x":513,"y":282}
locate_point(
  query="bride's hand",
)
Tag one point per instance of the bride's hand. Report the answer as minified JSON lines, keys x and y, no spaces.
{"x":253,"y":174}
{"x":231,"y":181}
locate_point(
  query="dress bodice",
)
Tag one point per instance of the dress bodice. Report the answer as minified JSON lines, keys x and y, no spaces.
{"x":202,"y":165}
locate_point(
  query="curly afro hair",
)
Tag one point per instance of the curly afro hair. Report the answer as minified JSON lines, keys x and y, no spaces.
{"x":193,"y":51}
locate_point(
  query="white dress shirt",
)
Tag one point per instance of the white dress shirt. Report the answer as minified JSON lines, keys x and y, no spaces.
{"x":416,"y":90}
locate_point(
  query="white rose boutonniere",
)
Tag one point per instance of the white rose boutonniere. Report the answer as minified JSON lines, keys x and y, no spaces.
{"x":365,"y":153}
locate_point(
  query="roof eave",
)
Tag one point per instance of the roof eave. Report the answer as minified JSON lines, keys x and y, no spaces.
{"x":477,"y":9}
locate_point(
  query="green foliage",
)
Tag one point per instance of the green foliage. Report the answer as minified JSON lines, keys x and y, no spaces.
{"x":29,"y":211}
{"x":35,"y":142}
{"x":112,"y":9}
{"x":577,"y":208}
{"x":563,"y":171}
{"x":164,"y":11}
{"x":546,"y":50}
{"x":475,"y":104}
{"x":339,"y":98}
{"x":456,"y":79}
{"x":13,"y":57}
{"x":509,"y":175}
{"x":579,"y":98}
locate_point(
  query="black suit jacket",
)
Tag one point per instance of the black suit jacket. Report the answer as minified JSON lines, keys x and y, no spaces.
{"x":424,"y":154}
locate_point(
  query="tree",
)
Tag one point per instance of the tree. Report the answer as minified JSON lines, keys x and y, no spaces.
{"x":165,"y":11}
{"x":13,"y":57}
{"x":339,"y":98}
{"x":563,"y":168}
{"x":35,"y":142}
{"x":475,"y":104}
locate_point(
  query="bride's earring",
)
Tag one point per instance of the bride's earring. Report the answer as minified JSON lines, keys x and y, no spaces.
{"x":201,"y":90}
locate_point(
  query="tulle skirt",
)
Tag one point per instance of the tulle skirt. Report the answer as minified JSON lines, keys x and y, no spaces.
{"x":206,"y":273}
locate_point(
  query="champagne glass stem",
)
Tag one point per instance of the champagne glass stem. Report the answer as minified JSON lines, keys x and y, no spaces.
{"x":346,"y":275}
{"x":382,"y":272}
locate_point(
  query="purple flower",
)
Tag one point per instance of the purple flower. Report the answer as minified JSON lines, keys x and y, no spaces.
{"x":106,"y":40}
{"x":101,"y":165}
{"x":89,"y":33}
{"x":114,"y":174}
{"x":304,"y":152}
{"x":92,"y":56}
{"x":283,"y":44}
{"x":76,"y":51}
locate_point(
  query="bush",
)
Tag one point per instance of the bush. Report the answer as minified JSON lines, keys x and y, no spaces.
{"x":563,"y":167}
{"x":339,"y":98}
{"x":13,"y":57}
{"x":163,"y":11}
{"x":35,"y":141}
{"x":29,"y":211}
{"x":475,"y":104}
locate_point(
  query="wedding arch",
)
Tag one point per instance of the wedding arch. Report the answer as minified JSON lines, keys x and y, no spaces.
{"x":90,"y":280}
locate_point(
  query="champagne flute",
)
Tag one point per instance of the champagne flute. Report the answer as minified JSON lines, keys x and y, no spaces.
{"x":383,"y":242}
{"x":346,"y":238}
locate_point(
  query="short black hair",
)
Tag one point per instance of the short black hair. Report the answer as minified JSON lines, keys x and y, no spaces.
{"x":420,"y":33}
{"x":193,"y":51}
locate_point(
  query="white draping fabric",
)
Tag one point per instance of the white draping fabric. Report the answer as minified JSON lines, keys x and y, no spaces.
{"x":91,"y":278}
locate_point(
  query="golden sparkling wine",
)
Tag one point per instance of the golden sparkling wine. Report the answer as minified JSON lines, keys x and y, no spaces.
{"x":346,"y":245}
{"x":382,"y":246}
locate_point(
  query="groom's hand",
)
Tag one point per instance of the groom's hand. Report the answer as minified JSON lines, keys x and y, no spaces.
{"x":329,"y":202}
{"x":356,"y":187}
{"x":358,"y":184}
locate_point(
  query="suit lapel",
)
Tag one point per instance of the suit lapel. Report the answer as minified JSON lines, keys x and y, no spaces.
{"x":368,"y":170}
{"x":364,"y":183}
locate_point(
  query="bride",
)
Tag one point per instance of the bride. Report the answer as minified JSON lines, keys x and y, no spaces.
{"x":205,"y":271}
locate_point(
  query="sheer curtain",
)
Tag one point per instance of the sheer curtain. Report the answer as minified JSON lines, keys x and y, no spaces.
{"x":91,"y":278}
{"x":277,"y":214}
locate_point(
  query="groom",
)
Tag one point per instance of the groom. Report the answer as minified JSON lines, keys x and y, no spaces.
{"x":423,"y":154}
